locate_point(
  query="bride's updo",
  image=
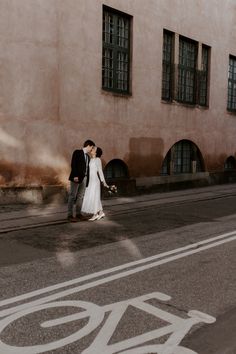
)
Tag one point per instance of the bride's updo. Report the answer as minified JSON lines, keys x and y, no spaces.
{"x":98,"y":152}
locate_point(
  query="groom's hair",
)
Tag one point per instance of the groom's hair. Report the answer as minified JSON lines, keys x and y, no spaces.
{"x":98,"y":152}
{"x":89,"y":143}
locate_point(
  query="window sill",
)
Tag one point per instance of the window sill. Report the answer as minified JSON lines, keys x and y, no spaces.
{"x":231,"y":113}
{"x":116,"y":94}
{"x":187,"y":105}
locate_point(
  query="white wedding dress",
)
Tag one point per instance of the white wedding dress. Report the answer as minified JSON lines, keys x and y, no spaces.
{"x":92,"y":197}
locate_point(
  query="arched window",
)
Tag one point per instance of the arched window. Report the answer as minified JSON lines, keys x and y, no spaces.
{"x":165,"y":170}
{"x":183,"y":157}
{"x":116,"y":169}
{"x":230,"y":163}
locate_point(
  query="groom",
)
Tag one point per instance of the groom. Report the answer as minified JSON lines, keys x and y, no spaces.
{"x":79,"y":178}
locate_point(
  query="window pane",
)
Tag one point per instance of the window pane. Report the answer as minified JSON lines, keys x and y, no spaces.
{"x":122,"y":71}
{"x":231,"y":102}
{"x":187,"y":71}
{"x":123,"y":32}
{"x":167,"y":56}
{"x":108,"y":28}
{"x":107,"y":68}
{"x":203,"y":77}
{"x":116,"y":42}
{"x":182,"y":157}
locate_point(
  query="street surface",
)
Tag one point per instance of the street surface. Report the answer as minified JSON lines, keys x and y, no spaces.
{"x":155,"y":276}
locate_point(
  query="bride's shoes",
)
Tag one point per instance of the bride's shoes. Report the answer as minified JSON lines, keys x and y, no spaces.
{"x":101,"y":215}
{"x":97,"y":216}
{"x":94,"y":217}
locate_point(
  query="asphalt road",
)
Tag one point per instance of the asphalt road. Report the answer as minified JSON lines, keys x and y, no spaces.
{"x":149,"y":278}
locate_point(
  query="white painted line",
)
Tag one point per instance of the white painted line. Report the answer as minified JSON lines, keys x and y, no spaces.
{"x":199,"y":247}
{"x":112,"y":270}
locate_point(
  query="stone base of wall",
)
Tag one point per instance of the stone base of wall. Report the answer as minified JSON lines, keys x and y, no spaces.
{"x":57,"y":194}
{"x":32,"y":195}
{"x":184,"y":181}
{"x":126,"y":187}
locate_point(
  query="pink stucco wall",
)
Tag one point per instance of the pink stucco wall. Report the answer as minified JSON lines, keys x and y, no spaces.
{"x":51,"y":98}
{"x":30,"y":150}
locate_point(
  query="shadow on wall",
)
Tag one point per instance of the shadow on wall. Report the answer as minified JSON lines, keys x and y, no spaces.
{"x":22,"y":174}
{"x":214,"y":164}
{"x":145,"y":156}
{"x":31,"y":161}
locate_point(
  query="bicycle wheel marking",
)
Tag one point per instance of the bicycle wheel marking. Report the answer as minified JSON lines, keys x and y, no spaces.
{"x":177,"y":328}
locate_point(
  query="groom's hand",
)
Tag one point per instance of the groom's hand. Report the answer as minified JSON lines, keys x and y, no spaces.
{"x":76,"y":179}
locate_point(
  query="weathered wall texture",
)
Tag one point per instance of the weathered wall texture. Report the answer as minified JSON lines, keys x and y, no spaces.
{"x":50,"y":86}
{"x":30,"y":148}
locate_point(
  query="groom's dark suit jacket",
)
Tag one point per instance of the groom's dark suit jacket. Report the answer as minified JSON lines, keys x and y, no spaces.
{"x":78,"y":166}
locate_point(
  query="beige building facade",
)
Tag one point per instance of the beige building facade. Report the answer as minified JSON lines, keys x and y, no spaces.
{"x":158,"y":117}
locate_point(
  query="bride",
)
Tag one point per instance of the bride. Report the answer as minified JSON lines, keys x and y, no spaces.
{"x":92,"y":197}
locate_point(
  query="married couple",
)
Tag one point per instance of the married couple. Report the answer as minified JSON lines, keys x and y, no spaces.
{"x":85,"y":178}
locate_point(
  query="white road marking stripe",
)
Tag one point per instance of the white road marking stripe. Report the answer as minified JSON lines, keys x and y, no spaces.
{"x":111,"y":270}
{"x":121,"y":274}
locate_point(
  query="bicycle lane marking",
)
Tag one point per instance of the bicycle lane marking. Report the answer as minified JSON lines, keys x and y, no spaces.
{"x":171,"y":256}
{"x":176,"y":327}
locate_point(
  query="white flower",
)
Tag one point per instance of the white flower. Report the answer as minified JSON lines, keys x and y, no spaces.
{"x":112,"y":189}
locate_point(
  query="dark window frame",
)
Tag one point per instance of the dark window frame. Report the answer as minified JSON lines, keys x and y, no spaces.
{"x":116,"y":169}
{"x":116,"y":55}
{"x":167,"y":66}
{"x":230,"y":164}
{"x":187,"y":73}
{"x":184,"y":82}
{"x":231,"y":97}
{"x":182,"y":157}
{"x":203,"y":85}
{"x":179,"y":158}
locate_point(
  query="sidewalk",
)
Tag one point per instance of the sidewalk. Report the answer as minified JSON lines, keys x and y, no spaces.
{"x":19,"y":217}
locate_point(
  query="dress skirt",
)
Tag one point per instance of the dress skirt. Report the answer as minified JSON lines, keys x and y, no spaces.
{"x":92,"y":197}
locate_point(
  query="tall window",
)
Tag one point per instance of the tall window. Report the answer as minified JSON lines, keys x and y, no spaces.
{"x":190,"y":84}
{"x":167,"y":65}
{"x":231,"y":106}
{"x":187,"y":71}
{"x":116,"y":51}
{"x":203,"y":77}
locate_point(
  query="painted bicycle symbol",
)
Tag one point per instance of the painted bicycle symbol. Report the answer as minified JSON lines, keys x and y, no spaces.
{"x":176,"y":327}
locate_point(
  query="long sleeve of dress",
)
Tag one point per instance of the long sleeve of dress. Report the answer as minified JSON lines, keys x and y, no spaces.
{"x":99,"y":169}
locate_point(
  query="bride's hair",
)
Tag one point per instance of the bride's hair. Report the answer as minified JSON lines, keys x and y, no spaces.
{"x":98,"y":152}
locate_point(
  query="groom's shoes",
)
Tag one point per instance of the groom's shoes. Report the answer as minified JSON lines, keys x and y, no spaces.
{"x":72,"y":219}
{"x":82,"y":217}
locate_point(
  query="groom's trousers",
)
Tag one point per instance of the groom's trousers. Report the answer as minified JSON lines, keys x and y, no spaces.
{"x":76,"y":195}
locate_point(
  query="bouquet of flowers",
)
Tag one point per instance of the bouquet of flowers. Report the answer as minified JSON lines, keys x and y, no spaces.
{"x":112,"y":189}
